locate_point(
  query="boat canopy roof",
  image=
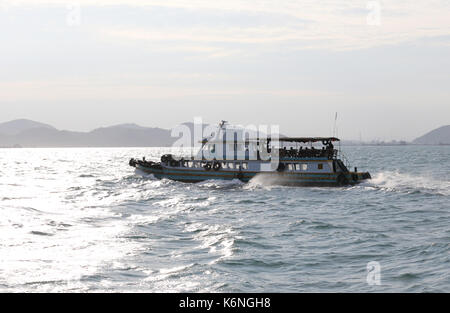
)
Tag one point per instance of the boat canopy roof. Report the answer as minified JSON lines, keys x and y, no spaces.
{"x":307,"y":139}
{"x":300,"y":139}
{"x":281,"y":139}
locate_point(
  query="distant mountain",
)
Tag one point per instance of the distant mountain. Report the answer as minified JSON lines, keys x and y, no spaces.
{"x":439,"y":136}
{"x":130,"y":135}
{"x":129,"y":126}
{"x":17,"y":126}
{"x":28,"y":133}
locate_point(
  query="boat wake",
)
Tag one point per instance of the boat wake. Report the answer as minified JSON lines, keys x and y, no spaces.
{"x":261,"y":181}
{"x":221,"y":184}
{"x":144,"y":174}
{"x":406,"y":183}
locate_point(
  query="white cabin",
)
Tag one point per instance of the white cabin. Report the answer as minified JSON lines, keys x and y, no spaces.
{"x":234,"y":143}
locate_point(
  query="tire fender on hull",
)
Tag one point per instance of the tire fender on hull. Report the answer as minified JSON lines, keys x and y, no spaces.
{"x":217,"y":166}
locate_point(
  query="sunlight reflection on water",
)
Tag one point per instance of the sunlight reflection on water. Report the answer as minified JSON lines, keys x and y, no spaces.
{"x":83,"y":220}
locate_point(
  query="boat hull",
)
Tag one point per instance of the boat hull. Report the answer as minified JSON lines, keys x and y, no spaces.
{"x":276,"y":178}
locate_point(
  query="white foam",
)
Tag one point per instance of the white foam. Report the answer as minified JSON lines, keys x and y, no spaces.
{"x":217,"y":183}
{"x":396,"y":181}
{"x":264,"y":181}
{"x":144,"y":174}
{"x":219,"y":239}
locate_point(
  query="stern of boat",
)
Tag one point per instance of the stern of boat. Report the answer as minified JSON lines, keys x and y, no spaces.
{"x":358,"y":177}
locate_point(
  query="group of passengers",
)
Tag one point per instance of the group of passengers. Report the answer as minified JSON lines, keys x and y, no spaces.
{"x":327,"y":152}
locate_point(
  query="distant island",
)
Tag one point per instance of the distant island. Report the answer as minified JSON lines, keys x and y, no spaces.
{"x":27,"y":133}
{"x":439,"y":136}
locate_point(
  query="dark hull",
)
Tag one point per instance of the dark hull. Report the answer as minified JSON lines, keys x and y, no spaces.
{"x":191,"y":175}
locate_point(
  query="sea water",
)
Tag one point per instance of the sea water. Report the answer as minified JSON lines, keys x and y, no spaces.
{"x":82,"y":220}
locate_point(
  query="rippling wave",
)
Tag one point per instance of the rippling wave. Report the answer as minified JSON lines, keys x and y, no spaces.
{"x":409,"y":183}
{"x":83,"y":220}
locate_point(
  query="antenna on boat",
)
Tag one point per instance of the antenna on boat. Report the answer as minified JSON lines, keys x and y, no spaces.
{"x":222,"y":123}
{"x":335,"y":133}
{"x":335,"y":127}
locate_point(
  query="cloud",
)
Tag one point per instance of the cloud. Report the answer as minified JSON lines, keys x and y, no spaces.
{"x":136,"y":87}
{"x":308,"y":24}
{"x":330,"y":25}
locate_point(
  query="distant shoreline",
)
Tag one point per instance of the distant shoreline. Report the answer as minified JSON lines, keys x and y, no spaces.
{"x":142,"y":147}
{"x":32,"y":134}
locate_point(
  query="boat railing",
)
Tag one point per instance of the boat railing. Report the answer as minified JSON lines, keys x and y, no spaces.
{"x":343,"y":158}
{"x":186,"y":157}
{"x":307,"y":153}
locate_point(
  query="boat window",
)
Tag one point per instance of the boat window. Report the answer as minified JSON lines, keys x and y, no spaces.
{"x":304,"y":167}
{"x":320,"y":166}
{"x":245,"y":165}
{"x":297,"y":167}
{"x":231,"y":165}
{"x":238,"y":166}
{"x":291,"y":167}
{"x":190,"y":164}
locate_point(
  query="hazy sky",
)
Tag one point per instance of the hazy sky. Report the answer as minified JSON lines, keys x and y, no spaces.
{"x":383,"y":65}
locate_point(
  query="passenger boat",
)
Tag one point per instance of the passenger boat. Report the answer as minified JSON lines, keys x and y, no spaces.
{"x":230,"y":153}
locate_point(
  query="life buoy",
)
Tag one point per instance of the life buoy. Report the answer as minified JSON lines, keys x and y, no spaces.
{"x":217,"y":166}
{"x":207,"y":166}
